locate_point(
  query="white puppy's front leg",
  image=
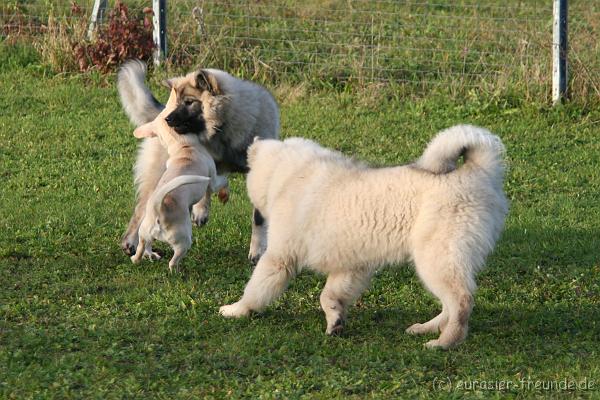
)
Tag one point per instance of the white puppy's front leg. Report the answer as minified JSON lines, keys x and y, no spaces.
{"x":258,"y":240}
{"x":268,"y":281}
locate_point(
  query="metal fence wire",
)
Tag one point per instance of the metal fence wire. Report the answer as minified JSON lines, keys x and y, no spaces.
{"x":487,"y":44}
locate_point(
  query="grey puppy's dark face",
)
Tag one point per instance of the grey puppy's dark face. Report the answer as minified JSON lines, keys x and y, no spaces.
{"x":187,"y":117}
{"x":193,"y":96}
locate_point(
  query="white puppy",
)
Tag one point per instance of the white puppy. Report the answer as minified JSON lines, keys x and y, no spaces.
{"x":190,"y":174}
{"x":339,"y":217}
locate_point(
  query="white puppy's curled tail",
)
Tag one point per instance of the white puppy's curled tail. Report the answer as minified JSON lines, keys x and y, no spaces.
{"x":138,"y":102}
{"x":159,"y":195}
{"x":478,"y":146}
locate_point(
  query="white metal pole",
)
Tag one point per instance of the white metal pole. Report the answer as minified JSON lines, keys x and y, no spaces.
{"x":559,"y":51}
{"x":97,"y":16}
{"x":160,"y":29}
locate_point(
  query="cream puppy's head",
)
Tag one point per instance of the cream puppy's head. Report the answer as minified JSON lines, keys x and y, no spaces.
{"x":159,"y":127}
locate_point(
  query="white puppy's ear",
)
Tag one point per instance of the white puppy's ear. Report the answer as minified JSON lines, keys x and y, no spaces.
{"x":144,"y":131}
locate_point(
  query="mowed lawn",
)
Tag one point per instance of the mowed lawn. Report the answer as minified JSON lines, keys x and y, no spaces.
{"x":78,"y":320}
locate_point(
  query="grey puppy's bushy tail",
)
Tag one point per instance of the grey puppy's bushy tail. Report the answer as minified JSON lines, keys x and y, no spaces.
{"x":478,"y":146}
{"x":138,"y":102}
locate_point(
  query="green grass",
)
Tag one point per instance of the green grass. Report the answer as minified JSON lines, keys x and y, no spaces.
{"x":78,"y":320}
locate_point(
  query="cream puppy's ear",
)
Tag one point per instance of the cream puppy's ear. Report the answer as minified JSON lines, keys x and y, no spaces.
{"x":144,"y":131}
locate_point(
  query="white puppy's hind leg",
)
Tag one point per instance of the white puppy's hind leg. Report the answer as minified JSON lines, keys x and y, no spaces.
{"x":448,"y":280}
{"x":340,"y":292}
{"x":269,"y":279}
{"x":435,"y":325}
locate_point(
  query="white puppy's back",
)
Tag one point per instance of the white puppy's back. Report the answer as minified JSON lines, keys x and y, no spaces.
{"x":333,"y":215}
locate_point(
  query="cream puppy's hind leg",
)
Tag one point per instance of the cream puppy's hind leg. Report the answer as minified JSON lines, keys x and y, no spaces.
{"x":269,"y":279}
{"x":144,"y":249}
{"x":201,"y":210}
{"x":339,"y":293}
{"x":179,"y":251}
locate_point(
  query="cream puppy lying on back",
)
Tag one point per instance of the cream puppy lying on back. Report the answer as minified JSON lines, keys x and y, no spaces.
{"x":190,"y":174}
{"x":339,"y":217}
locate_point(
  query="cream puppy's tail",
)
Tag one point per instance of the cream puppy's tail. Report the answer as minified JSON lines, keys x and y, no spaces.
{"x":477,"y":145}
{"x":159,"y":195}
{"x":138,"y":102}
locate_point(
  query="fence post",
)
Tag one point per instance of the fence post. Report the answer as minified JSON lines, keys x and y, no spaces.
{"x":559,"y":51}
{"x":160,"y":29}
{"x":97,"y":16}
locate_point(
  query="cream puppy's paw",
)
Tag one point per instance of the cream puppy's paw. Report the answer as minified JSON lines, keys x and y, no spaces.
{"x":235,"y":310}
{"x":200,"y":214}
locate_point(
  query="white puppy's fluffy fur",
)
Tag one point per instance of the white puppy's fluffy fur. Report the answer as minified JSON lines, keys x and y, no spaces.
{"x":339,"y":217}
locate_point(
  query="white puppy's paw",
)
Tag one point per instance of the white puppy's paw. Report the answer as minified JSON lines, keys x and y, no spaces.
{"x":154,"y":256}
{"x":435,"y":345}
{"x":235,"y":310}
{"x":416,"y":329}
{"x":134,"y":259}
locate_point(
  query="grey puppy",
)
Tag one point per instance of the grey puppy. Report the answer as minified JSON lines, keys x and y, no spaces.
{"x":226,"y":113}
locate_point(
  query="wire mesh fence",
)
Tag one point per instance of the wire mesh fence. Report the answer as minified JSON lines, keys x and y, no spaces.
{"x":492,"y":45}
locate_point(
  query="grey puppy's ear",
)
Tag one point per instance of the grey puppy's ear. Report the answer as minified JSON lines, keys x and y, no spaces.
{"x":207,"y":81}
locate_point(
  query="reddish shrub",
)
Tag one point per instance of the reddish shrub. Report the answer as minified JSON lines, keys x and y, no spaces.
{"x":123,"y":37}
